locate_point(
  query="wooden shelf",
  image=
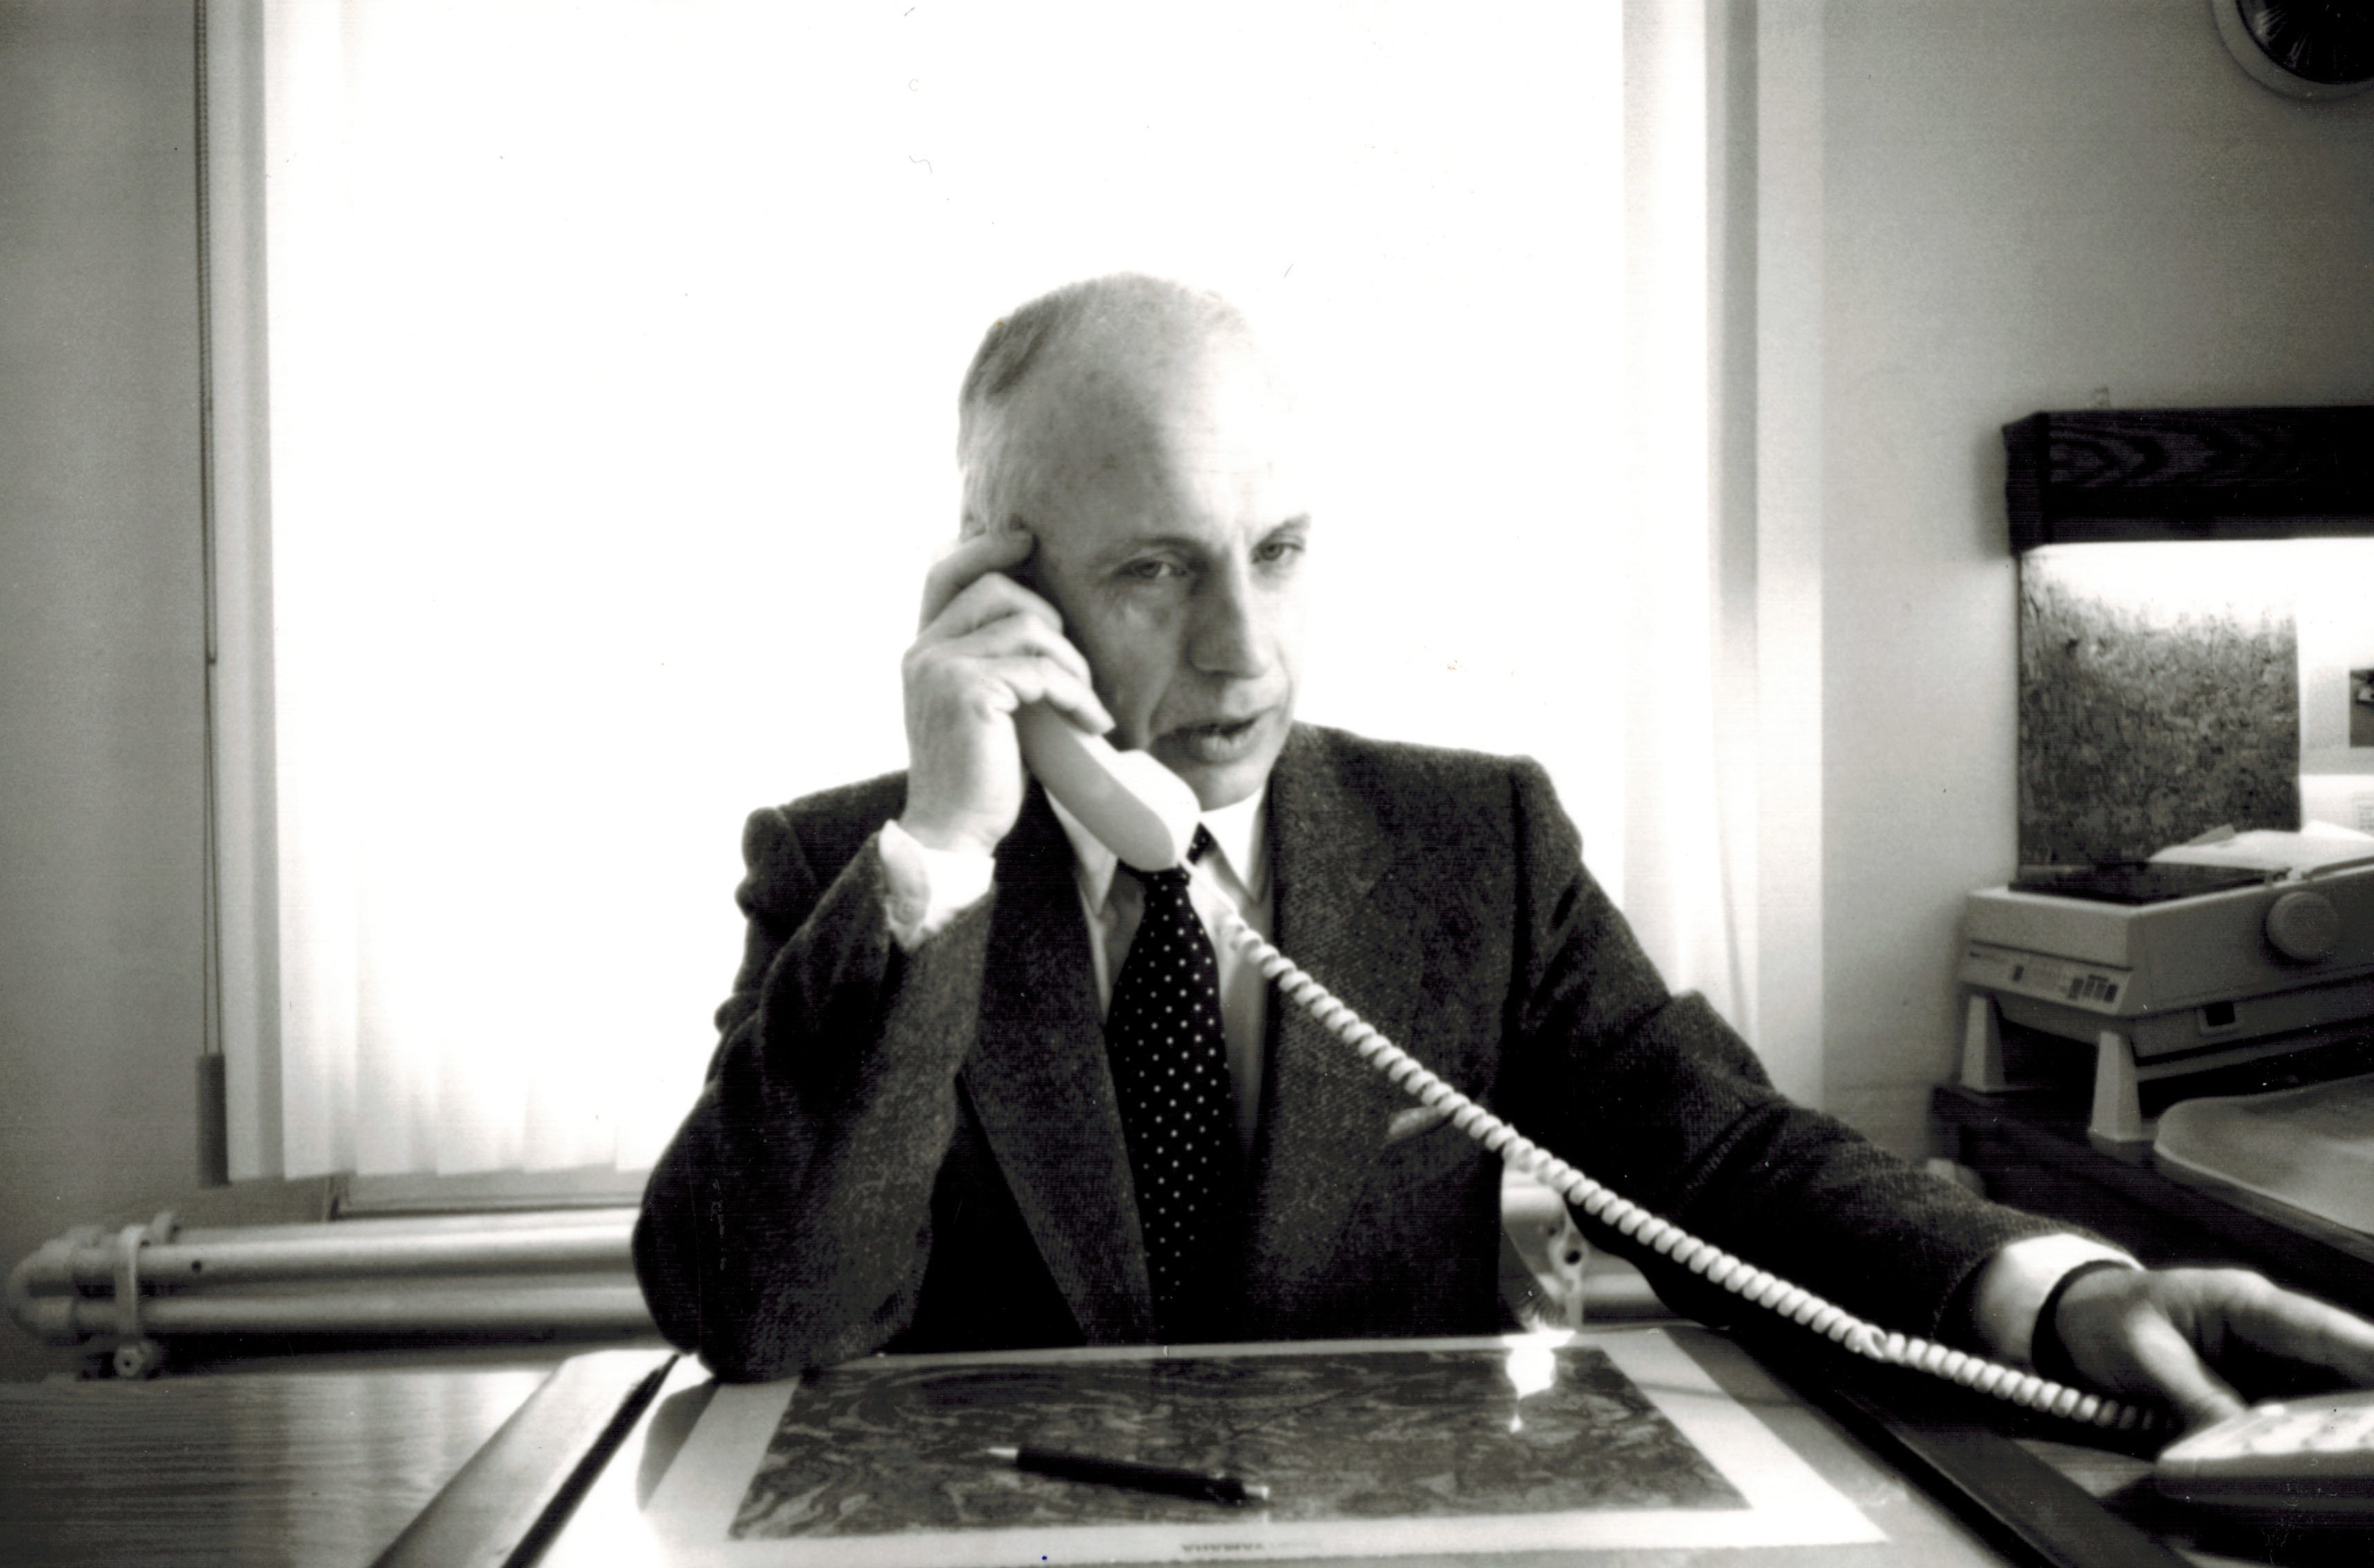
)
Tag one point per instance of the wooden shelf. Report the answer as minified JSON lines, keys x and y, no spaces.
{"x":2101,"y":475}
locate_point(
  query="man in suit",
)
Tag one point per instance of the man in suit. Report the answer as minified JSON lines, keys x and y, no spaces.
{"x":941,"y":1117}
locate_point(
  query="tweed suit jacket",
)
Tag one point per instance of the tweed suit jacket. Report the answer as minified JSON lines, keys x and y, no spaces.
{"x":923,"y":1151}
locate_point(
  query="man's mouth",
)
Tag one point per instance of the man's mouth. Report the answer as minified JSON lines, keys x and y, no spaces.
{"x":1219,"y":741}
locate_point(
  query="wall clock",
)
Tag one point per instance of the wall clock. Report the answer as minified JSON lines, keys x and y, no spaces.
{"x":2314,"y":48}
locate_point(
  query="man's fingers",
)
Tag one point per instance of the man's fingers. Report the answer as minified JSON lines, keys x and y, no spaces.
{"x":2168,"y":1361}
{"x":989,"y":598}
{"x":1016,"y":631}
{"x":1032,"y":661}
{"x":1032,"y":677}
{"x":2302,"y":1328}
{"x":2150,"y":1330}
{"x":967,"y":561}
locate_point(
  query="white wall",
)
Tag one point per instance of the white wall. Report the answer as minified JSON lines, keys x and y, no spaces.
{"x":100,"y":634}
{"x":2025,"y":204}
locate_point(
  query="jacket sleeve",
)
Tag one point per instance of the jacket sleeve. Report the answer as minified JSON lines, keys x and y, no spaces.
{"x":788,"y":1225}
{"x":1654,"y":1096}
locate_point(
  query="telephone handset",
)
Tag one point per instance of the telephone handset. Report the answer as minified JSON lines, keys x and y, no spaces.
{"x":1137,"y":808}
{"x":1147,"y":814}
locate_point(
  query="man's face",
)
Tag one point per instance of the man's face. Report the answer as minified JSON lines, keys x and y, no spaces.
{"x":1172,"y":530}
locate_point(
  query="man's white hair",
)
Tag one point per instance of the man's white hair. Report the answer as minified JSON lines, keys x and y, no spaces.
{"x":1125,"y":308}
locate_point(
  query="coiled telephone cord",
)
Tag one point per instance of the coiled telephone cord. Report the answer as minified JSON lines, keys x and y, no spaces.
{"x":1734,"y":1274}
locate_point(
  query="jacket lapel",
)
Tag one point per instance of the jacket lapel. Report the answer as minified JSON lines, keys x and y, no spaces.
{"x":1038,"y":1079}
{"x":1326,"y":1111}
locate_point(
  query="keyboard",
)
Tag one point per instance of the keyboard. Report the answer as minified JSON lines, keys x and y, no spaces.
{"x":2314,"y":1452}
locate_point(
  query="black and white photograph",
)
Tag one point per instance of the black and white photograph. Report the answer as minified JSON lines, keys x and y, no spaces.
{"x":1032,"y":781}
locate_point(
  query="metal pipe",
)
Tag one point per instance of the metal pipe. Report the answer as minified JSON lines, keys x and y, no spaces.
{"x":241,"y":1257}
{"x":425,"y":1224}
{"x":441,"y":1308}
{"x":23,"y":1306}
{"x":462,"y":1274}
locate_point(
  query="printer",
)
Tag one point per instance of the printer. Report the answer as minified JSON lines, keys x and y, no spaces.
{"x":2229,"y":950}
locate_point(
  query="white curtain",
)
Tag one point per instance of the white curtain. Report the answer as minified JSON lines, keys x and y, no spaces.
{"x":1678,"y":887}
{"x":1723,"y":738}
{"x":612,"y":359}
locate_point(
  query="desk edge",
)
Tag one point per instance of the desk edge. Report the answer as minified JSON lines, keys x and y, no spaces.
{"x":518,"y":1488}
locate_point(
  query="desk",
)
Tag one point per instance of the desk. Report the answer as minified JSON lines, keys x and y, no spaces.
{"x":247,"y":1469}
{"x":332,"y":1467}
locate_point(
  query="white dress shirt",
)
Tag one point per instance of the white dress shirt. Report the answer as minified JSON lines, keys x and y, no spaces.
{"x":926,"y":888}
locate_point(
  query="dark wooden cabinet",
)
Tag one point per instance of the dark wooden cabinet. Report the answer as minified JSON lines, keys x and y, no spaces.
{"x":2030,"y":1146}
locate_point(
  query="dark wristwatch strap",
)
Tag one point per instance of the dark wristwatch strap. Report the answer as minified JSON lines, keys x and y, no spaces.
{"x":2046,"y":1352}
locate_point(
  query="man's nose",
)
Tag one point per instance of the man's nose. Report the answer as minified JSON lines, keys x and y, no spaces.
{"x":1228,"y":635}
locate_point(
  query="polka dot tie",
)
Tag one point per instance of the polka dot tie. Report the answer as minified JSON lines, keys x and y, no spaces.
{"x":1170,"y":1069}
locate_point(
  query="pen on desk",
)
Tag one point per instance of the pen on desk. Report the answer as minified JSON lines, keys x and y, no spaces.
{"x":1128,"y":1472}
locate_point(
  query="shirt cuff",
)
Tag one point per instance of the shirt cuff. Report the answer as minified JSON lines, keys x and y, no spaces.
{"x":923,"y":889}
{"x":2012,"y":1286}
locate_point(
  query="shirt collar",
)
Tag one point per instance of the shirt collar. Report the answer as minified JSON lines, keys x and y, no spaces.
{"x":1239,"y":834}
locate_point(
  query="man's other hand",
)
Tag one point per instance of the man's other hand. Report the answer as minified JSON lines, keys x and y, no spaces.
{"x":988,"y":646}
{"x":2176,"y":1334}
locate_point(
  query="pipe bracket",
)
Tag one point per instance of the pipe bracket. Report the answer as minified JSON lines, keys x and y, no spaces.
{"x":136,"y":1355}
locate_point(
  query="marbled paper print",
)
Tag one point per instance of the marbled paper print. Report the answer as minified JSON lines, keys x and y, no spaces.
{"x":1438,"y":1434}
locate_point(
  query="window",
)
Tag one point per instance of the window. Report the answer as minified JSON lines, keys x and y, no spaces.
{"x":585,"y":384}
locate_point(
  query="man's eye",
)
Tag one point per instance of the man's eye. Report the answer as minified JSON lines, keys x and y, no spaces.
{"x":1152,"y":570}
{"x":1276,"y":550}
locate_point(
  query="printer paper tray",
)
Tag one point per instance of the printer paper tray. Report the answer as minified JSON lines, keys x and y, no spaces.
{"x":2310,"y":1148}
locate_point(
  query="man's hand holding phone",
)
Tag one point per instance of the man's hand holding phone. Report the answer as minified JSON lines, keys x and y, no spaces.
{"x":988,"y":647}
